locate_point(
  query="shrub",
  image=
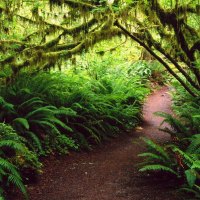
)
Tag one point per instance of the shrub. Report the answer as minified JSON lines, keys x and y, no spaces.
{"x":181,"y":155}
{"x":55,"y":112}
{"x":13,"y":156}
{"x":78,"y":106}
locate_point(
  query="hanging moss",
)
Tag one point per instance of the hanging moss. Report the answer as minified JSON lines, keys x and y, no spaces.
{"x":59,"y":29}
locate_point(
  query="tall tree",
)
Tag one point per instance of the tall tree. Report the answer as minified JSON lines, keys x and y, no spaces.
{"x":36,"y":35}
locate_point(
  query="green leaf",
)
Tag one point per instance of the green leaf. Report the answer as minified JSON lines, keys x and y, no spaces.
{"x":191,"y":177}
{"x":157,"y":167}
{"x":22,"y":121}
{"x":196,"y":165}
{"x":159,"y":149}
{"x":152,"y":156}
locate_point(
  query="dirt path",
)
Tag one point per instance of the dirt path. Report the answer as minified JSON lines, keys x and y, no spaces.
{"x":109,"y":172}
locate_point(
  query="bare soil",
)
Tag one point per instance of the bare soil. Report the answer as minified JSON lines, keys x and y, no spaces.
{"x":110,"y":171}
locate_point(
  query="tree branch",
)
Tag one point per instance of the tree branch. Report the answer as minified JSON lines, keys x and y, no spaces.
{"x":195,"y":47}
{"x":171,"y":18}
{"x":157,"y":57}
{"x":158,"y":47}
{"x":76,"y":48}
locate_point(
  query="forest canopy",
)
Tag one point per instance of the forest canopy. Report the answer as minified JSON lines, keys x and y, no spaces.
{"x":111,"y":54}
{"x":37,"y":35}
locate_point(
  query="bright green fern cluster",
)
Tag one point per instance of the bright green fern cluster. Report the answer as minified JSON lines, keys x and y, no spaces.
{"x":54,"y":112}
{"x":13,"y":155}
{"x":181,"y":155}
{"x":83,"y":110}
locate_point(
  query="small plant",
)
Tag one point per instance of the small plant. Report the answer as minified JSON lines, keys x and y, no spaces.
{"x":183,"y":149}
{"x":158,"y":158}
{"x":13,"y":154}
{"x":179,"y":157}
{"x":55,"y":112}
{"x":151,"y":71}
{"x":85,"y":109}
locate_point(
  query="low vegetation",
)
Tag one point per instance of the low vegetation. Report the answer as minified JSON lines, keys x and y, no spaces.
{"x":43,"y":111}
{"x":53,"y":112}
{"x":180,"y":156}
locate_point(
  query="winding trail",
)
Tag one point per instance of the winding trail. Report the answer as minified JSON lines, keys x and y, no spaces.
{"x":110,"y":171}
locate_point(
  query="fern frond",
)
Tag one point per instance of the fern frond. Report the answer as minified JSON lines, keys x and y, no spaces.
{"x":21,"y":122}
{"x":30,"y":103}
{"x":56,"y":121}
{"x":157,"y":167}
{"x":65,"y":111}
{"x":46,"y":125}
{"x":159,"y":149}
{"x":40,"y":112}
{"x":9,"y":167}
{"x":187,"y":158}
{"x":175,"y":123}
{"x":12,"y":144}
{"x":152,"y":156}
{"x":90,"y":131}
{"x":35,"y":141}
{"x":5,"y":105}
{"x":17,"y":181}
{"x":194,"y":146}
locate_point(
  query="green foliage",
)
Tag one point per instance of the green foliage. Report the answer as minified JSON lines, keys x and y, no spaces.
{"x":188,"y":108}
{"x":179,"y":160}
{"x":10,"y":175}
{"x":177,"y":128}
{"x":12,"y":145}
{"x":149,"y":71}
{"x":157,"y":167}
{"x":194,"y":144}
{"x":142,"y":68}
{"x":54,"y":112}
{"x":157,"y":158}
{"x":13,"y":154}
{"x":157,"y":148}
{"x":183,"y":151}
{"x":77,"y":103}
{"x":33,"y":118}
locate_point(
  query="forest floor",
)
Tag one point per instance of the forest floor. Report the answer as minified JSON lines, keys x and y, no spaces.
{"x":110,"y":171}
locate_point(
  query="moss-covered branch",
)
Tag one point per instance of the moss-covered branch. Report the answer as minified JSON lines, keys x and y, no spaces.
{"x":50,"y":44}
{"x":156,"y":57}
{"x":170,"y":18}
{"x":77,"y":4}
{"x":69,"y":31}
{"x":195,"y":47}
{"x":153,"y":43}
{"x":42,"y":57}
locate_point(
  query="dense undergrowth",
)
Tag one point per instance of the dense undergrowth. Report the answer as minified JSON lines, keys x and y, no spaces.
{"x":53,"y":112}
{"x":181,"y":156}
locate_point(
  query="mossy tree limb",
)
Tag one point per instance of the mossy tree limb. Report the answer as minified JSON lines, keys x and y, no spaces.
{"x":156,"y":57}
